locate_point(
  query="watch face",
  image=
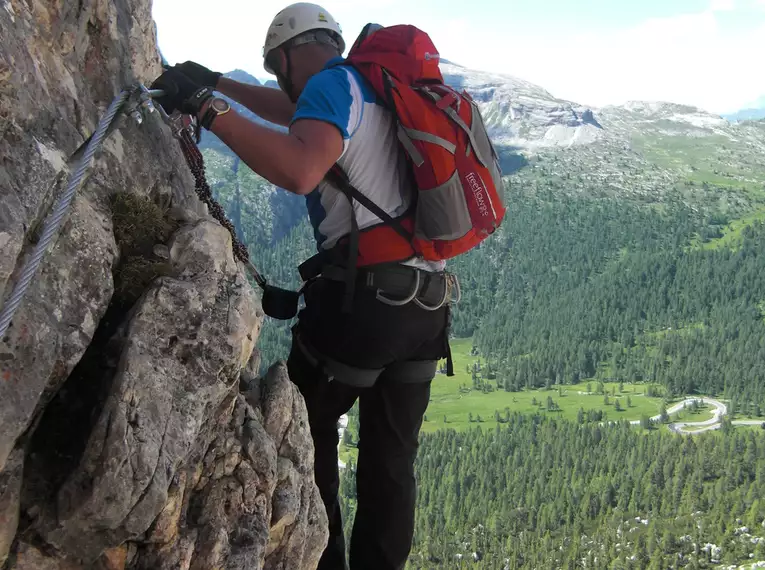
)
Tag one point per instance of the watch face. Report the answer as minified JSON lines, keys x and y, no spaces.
{"x":220,"y":105}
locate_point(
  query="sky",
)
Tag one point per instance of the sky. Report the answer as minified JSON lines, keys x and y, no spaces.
{"x":706,"y":53}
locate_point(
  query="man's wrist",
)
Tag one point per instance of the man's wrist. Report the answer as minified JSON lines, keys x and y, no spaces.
{"x":201,"y":97}
{"x":213,"y":107}
{"x":203,"y":109}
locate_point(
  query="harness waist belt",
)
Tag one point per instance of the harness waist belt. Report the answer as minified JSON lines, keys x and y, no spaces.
{"x":396,"y":281}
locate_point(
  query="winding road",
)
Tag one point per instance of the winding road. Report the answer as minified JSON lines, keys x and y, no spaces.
{"x":690,"y":428}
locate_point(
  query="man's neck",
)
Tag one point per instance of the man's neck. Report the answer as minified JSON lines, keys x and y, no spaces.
{"x":315,"y":62}
{"x":321,"y":62}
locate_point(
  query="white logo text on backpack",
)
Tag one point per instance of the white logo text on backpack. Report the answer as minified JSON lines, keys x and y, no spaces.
{"x":478,"y":191}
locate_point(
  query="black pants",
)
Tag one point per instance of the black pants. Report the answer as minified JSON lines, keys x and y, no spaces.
{"x":390,"y":416}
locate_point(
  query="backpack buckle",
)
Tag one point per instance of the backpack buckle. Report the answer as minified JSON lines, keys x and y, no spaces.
{"x":447,"y":101}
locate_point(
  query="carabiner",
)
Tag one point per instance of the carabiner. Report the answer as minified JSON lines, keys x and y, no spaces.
{"x":434,"y":307}
{"x":383,"y":299}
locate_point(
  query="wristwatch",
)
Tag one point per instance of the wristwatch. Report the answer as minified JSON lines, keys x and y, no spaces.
{"x":218,"y":106}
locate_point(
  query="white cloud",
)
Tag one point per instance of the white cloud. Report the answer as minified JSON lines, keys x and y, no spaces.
{"x":722,"y":5}
{"x":685,"y":59}
{"x":688,"y":58}
{"x":231,"y":36}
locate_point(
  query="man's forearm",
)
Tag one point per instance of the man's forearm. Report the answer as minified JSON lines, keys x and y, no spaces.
{"x":273,"y":105}
{"x":278,"y":157}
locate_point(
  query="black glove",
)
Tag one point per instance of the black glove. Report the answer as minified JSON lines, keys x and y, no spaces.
{"x":181,"y":92}
{"x":199,"y":74}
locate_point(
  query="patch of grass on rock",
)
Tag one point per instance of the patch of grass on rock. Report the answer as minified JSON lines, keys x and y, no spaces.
{"x":139,"y":224}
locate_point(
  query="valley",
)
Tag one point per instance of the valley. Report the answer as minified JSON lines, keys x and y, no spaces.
{"x":468,"y":400}
{"x":629,"y":272}
{"x":474,"y":397}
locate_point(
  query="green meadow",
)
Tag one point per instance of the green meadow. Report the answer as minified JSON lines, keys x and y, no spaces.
{"x":454,"y":401}
{"x":456,"y":404}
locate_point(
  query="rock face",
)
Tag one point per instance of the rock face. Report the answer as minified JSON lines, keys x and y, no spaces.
{"x":589,"y":117}
{"x":133,"y":431}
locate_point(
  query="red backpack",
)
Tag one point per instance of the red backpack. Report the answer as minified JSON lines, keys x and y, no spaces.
{"x":455,"y":166}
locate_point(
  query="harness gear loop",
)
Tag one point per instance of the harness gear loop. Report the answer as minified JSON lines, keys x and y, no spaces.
{"x":438,"y":305}
{"x":456,"y":283}
{"x":409,"y":298}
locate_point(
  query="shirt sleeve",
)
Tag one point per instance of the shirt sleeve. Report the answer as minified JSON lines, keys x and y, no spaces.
{"x":329,"y":96}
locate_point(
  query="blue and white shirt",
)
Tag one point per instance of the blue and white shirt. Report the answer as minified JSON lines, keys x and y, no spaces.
{"x":371,"y":156}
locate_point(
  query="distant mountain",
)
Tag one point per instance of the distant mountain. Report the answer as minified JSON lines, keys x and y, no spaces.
{"x":209,"y":140}
{"x":262,"y":212}
{"x":753,"y":111}
{"x":638,"y":150}
{"x":242,"y":76}
{"x":522,"y":115}
{"x":660,"y":119}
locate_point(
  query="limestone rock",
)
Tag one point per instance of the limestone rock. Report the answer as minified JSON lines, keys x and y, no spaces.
{"x":10,"y":497}
{"x":185,"y":346}
{"x":57,"y":319}
{"x":28,"y":557}
{"x":299,"y":519}
{"x":134,"y":431}
{"x":64,"y":63}
{"x":248,"y":507}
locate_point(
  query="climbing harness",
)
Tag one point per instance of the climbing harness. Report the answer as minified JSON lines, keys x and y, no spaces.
{"x":135,"y":102}
{"x":450,"y":283}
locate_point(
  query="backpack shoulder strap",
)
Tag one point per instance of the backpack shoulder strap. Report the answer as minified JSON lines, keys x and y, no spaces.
{"x":337,"y":176}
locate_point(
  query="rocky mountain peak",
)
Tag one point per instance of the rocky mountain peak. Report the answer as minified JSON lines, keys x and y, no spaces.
{"x":752,"y":111}
{"x":135,"y":431}
{"x":672,"y":111}
{"x":520,"y":114}
{"x":242,"y":76}
{"x":664,"y":118}
{"x":657,"y":107}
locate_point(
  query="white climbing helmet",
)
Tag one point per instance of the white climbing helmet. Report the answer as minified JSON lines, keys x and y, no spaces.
{"x":296,"y":19}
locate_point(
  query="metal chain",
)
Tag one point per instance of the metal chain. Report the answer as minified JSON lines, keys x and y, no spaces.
{"x":54,"y":220}
{"x":196,"y":163}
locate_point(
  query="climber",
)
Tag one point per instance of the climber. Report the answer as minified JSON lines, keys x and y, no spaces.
{"x":384,"y":352}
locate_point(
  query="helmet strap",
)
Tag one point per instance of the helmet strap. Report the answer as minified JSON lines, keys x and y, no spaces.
{"x":319,"y":37}
{"x":285,"y":78}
